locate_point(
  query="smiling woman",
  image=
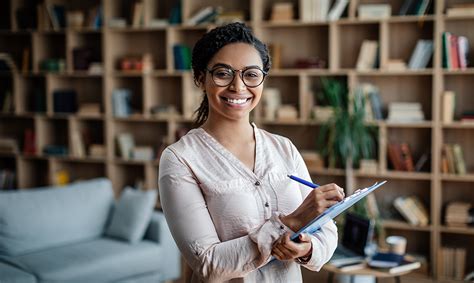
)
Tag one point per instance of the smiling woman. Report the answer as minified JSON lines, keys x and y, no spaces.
{"x":223,"y":186}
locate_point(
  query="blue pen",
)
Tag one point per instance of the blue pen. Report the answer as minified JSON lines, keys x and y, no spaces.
{"x":304,"y":182}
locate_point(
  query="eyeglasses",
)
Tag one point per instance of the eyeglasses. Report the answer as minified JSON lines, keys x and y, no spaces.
{"x":224,"y":76}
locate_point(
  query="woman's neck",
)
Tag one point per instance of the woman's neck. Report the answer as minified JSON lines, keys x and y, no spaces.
{"x":226,"y":132}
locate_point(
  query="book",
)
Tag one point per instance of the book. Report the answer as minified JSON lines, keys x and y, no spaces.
{"x":29,"y":142}
{"x":374,"y":11}
{"x":78,"y":148}
{"x":454,"y":56}
{"x":97,"y":150}
{"x":352,"y":266}
{"x":395,"y":156}
{"x":405,"y":210}
{"x":419,"y":209}
{"x":463,"y":50}
{"x":314,"y":10}
{"x":337,"y":10}
{"x":89,"y":109}
{"x":407,"y":158}
{"x":143,"y":153}
{"x":282,"y":12}
{"x":421,"y":54}
{"x":448,"y":106}
{"x":406,"y":7}
{"x":121,"y":102}
{"x":459,"y":163}
{"x":446,"y":49}
{"x":385,"y":260}
{"x":422,"y":162}
{"x":8,"y":145}
{"x":422,"y":7}
{"x":200,"y":15}
{"x":404,"y":266}
{"x":126,"y":143}
{"x":138,"y":15}
{"x":367,"y":55}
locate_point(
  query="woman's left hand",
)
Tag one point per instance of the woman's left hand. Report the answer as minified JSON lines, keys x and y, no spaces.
{"x":286,"y":249}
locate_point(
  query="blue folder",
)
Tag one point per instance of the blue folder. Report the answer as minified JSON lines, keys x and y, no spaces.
{"x":335,"y":210}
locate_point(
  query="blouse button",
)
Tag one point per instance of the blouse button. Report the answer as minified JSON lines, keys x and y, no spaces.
{"x":257,"y":183}
{"x":266,"y":204}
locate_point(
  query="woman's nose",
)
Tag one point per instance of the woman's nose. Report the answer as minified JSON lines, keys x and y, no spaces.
{"x":238,"y":84}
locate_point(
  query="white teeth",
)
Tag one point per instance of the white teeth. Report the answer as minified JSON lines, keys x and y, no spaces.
{"x":237,"y":101}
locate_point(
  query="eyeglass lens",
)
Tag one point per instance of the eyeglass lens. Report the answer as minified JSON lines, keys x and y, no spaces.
{"x":251,"y":77}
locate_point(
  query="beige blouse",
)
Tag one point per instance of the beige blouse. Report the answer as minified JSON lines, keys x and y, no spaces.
{"x":225,"y":218}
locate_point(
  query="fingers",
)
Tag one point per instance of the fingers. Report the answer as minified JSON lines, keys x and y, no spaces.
{"x":332,"y":191}
{"x":286,"y":249}
{"x":304,"y":238}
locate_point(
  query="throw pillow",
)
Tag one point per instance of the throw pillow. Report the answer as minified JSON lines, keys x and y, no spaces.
{"x":132,"y":215}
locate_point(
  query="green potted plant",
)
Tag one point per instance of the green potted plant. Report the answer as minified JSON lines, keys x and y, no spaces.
{"x":345,"y":138}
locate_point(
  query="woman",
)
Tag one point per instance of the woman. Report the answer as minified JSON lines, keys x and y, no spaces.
{"x":224,"y":187}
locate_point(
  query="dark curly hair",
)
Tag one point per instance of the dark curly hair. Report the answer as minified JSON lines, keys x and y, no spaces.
{"x":210,"y":43}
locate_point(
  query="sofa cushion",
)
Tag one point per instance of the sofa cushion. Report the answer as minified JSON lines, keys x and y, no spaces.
{"x":10,"y":274}
{"x":40,"y":218}
{"x":100,"y":260}
{"x":131,"y":215}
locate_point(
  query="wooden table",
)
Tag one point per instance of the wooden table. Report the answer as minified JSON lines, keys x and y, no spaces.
{"x":367,"y":271}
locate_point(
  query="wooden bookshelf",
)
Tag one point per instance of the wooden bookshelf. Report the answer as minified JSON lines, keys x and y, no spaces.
{"x":336,"y":43}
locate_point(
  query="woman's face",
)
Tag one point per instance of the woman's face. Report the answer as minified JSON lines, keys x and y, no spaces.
{"x":235,"y":101}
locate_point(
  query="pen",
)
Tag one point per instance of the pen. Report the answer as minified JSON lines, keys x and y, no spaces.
{"x":304,"y":182}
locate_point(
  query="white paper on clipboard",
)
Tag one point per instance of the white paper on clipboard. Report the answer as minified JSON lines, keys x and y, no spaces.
{"x":335,"y":210}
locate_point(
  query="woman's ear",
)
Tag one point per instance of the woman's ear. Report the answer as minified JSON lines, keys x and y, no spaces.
{"x":199,"y":81}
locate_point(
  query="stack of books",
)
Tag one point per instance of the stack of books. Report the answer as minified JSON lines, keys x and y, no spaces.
{"x":314,"y":10}
{"x":455,"y":51}
{"x":452,"y":263}
{"x":393,"y":263}
{"x":421,"y":55}
{"x":121,"y":102}
{"x":415,"y":7}
{"x":368,"y":55}
{"x":412,"y":209}
{"x":460,"y":10}
{"x":405,"y":112}
{"x":8,"y":145}
{"x":452,"y":159}
{"x":459,"y":214}
{"x":282,"y":12}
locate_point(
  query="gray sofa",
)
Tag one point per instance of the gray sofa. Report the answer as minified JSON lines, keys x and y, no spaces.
{"x":58,"y":235}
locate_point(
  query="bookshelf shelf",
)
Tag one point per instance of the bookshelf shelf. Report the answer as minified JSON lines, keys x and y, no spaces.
{"x":408,"y":72}
{"x":422,"y":125}
{"x":458,"y":125}
{"x":396,"y":175}
{"x":402,"y":225}
{"x":334,"y":45}
{"x":467,"y":71}
{"x":459,"y":178}
{"x":457,"y":230}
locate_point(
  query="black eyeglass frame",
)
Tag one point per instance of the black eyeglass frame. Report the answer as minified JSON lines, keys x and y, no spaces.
{"x":211,"y":71}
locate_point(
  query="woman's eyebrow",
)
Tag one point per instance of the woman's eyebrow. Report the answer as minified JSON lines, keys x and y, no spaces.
{"x":230,"y":67}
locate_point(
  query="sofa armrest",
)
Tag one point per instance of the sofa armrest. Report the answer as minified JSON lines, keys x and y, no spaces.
{"x":158,"y":231}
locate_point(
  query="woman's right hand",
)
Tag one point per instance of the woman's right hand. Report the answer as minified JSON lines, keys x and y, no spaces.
{"x":317,"y":201}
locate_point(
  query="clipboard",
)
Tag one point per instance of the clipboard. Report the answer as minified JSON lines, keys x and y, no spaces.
{"x":335,"y":210}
